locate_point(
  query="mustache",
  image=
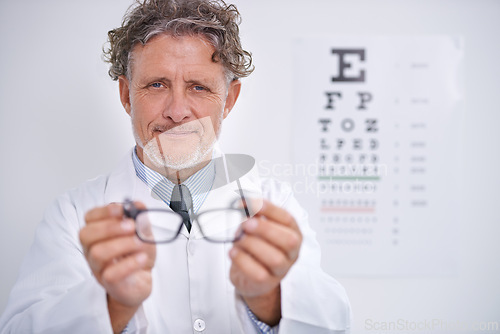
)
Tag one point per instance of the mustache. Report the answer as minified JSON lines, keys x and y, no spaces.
{"x":186,"y":127}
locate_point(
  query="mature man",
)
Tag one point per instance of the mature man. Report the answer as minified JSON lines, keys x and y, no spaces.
{"x":96,"y":266}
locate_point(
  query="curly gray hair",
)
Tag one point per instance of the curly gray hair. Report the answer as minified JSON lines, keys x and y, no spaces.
{"x":214,"y":20}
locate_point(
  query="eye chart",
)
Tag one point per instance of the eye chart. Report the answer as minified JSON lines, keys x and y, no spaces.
{"x":377,"y":124}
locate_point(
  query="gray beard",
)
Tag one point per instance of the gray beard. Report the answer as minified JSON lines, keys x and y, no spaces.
{"x":188,"y":160}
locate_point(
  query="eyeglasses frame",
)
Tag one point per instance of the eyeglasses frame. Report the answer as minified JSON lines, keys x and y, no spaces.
{"x":131,"y":211}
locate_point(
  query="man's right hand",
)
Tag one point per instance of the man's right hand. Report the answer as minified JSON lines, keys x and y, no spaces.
{"x":120,"y":261}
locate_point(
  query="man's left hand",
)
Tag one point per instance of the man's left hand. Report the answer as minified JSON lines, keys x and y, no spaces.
{"x":262,"y":258}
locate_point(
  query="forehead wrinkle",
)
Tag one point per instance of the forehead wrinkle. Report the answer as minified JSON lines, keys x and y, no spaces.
{"x":184,"y":60}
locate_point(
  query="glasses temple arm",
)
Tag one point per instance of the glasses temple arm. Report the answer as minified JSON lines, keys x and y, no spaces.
{"x":243,"y":198}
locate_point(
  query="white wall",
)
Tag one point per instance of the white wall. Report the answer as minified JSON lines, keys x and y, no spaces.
{"x":61,"y":123}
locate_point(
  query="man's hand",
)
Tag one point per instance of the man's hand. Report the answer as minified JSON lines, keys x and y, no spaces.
{"x":120,"y":261}
{"x":262,"y":258}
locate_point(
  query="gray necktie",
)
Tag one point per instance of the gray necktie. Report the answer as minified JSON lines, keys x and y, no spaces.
{"x":181,"y":202}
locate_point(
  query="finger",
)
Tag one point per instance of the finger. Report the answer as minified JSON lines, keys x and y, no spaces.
{"x":119,"y":270}
{"x":276,"y":262}
{"x":277,"y":214}
{"x":139,"y":205}
{"x":104,"y":230}
{"x":113,"y":210}
{"x":250,"y":205}
{"x":112,"y":225}
{"x":102,"y":254}
{"x":249,"y":267}
{"x":283,"y":237}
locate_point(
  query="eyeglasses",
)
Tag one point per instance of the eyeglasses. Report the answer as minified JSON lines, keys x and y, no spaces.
{"x":158,"y":226}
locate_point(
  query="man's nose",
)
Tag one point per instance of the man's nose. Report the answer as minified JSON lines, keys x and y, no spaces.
{"x":177,"y":108}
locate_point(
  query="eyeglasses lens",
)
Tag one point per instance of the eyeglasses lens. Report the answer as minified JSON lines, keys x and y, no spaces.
{"x":158,"y":226}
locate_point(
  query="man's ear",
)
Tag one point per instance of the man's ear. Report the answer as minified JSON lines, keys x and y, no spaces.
{"x":124,"y":85}
{"x":232,"y":95}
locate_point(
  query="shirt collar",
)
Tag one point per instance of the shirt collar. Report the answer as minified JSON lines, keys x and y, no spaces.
{"x":199,"y":184}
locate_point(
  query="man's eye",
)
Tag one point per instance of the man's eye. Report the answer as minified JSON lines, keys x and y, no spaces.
{"x":199,"y":88}
{"x":156,"y":85}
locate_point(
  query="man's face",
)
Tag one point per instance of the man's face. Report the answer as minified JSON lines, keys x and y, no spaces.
{"x":177,"y":98}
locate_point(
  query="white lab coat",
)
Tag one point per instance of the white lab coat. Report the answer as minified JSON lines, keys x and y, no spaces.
{"x":192,"y":292}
